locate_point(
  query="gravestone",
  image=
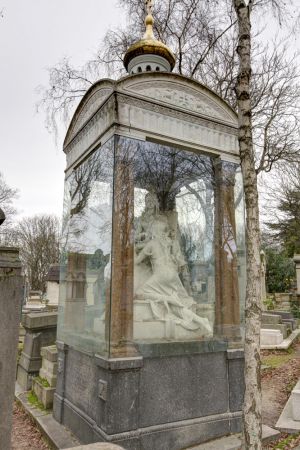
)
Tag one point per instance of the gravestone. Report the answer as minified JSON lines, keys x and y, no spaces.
{"x":10,"y":304}
{"x":40,"y":332}
{"x":270,"y":337}
{"x":297,"y":263}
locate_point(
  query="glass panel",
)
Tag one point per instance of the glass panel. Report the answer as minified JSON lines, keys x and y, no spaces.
{"x":169,"y":246}
{"x":240,"y":238}
{"x":153,"y":257}
{"x":86,"y":253}
{"x":229,"y":251}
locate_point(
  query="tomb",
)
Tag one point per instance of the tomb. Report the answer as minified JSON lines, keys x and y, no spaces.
{"x":152,"y":282}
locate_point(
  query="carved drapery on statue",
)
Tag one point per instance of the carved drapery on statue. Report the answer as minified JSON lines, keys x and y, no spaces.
{"x":159,"y":291}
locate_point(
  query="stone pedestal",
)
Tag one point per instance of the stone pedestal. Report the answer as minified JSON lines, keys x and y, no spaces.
{"x":275,"y":322}
{"x":10,"y":306}
{"x":40,"y":332}
{"x":154,"y":402}
{"x":44,"y":393}
{"x":48,"y":375}
{"x":297,"y":263}
{"x":49,"y":364}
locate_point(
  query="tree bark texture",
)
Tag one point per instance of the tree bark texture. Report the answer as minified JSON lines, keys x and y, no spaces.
{"x":252,"y":400}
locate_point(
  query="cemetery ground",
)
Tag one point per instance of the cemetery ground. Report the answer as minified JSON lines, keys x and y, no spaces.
{"x":25,"y":433}
{"x":280,"y":372}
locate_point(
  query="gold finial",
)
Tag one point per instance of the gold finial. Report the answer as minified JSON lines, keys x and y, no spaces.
{"x":149,"y":21}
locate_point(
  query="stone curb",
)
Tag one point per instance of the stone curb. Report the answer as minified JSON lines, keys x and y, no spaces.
{"x":60,"y":438}
{"x":285,"y":343}
{"x":56,"y":435}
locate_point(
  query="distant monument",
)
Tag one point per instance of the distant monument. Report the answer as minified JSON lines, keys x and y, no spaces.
{"x":297,"y":264}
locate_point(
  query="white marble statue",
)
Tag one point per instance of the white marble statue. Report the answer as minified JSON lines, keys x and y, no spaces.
{"x":157,"y":267}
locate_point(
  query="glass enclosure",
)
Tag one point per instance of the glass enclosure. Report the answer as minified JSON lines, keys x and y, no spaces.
{"x":153,"y":251}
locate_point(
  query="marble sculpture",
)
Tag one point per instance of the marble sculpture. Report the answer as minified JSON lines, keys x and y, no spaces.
{"x":158,"y":262}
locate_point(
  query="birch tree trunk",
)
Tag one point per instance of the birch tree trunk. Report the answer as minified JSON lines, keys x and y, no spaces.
{"x":252,"y":400}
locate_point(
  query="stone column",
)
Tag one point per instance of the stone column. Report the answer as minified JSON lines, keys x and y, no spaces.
{"x":227,"y":305}
{"x":297,"y":263}
{"x":121,"y":308}
{"x":10,"y":307}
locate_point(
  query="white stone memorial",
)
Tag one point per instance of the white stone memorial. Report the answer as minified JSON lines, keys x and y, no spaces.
{"x":270,"y":337}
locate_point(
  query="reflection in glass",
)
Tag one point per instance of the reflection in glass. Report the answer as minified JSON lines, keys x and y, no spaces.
{"x":85,"y":260}
{"x":153,"y":249}
{"x":173,"y":241}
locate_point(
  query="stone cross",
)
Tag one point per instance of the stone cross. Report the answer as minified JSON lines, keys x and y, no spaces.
{"x":149,"y":6}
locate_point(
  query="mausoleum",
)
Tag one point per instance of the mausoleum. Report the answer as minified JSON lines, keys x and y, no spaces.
{"x":152,"y":279}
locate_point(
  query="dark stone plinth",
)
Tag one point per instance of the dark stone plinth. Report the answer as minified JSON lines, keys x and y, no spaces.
{"x":11,"y":282}
{"x":291,"y":322}
{"x":40,"y":332}
{"x":161,"y":403}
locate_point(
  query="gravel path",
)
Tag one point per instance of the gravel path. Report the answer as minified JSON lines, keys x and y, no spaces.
{"x":26,"y":436}
{"x":277,"y":384}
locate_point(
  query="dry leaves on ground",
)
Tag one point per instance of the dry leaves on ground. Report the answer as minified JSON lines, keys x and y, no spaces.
{"x":26,"y":435}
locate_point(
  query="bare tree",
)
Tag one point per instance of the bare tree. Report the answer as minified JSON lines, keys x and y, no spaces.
{"x":38,"y":239}
{"x":245,"y":103}
{"x":7,"y":197}
{"x":283,"y":210}
{"x":203,"y":36}
{"x":252,"y":398}
{"x":275,"y":101}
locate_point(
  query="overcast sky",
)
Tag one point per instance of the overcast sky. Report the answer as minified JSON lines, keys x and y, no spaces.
{"x":36,"y":34}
